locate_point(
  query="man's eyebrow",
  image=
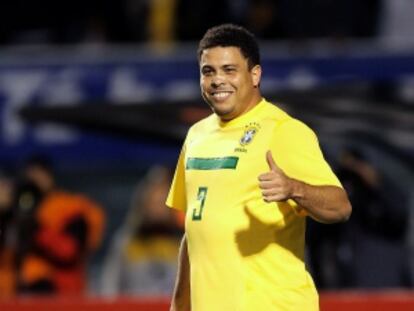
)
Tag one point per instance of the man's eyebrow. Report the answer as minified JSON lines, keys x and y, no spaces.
{"x":225,"y":66}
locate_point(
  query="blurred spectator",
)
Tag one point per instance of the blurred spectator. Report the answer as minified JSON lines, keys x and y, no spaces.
{"x":142,"y":256}
{"x":57,"y":231}
{"x":373,"y":196}
{"x":342,"y":255}
{"x":7,"y":268}
{"x":379,"y":224}
{"x":38,"y":171}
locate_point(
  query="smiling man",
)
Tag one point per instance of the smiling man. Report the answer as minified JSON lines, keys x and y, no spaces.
{"x":247,"y":177}
{"x":229,"y":82}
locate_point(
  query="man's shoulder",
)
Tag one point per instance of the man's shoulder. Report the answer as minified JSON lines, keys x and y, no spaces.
{"x":292,"y":127}
{"x":275,"y":112}
{"x":284,"y":121}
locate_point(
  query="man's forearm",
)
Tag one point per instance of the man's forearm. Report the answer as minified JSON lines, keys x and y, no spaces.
{"x":327,"y":204}
{"x":181,"y":297}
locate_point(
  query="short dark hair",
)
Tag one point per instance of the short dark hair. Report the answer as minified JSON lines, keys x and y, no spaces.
{"x":232,"y":35}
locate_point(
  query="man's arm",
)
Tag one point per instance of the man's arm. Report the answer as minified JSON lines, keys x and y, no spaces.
{"x":181,"y":296}
{"x":326,"y":204}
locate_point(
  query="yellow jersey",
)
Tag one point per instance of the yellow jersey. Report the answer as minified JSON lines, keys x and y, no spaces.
{"x":246,"y":254}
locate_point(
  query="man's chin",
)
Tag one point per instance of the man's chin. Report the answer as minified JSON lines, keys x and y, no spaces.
{"x":220,"y":109}
{"x":223,"y":114}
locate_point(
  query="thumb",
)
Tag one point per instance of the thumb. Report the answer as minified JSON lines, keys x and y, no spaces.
{"x":272,"y":164}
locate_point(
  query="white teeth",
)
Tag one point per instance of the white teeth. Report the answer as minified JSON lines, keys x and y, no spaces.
{"x":221,"y":95}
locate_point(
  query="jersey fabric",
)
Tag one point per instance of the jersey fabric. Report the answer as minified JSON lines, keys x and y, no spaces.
{"x":246,"y":254}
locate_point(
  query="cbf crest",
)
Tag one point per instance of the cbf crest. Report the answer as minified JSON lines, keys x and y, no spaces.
{"x":250,"y":132}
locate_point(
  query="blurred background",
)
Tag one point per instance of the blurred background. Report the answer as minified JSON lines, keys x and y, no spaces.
{"x":95,"y":101}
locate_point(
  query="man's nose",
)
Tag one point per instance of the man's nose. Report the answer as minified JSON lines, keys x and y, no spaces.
{"x":217,"y":80}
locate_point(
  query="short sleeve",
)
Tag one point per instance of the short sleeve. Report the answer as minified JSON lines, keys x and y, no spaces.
{"x":295,"y":148}
{"x":177,"y":196}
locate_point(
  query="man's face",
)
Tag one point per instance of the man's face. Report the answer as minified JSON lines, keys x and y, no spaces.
{"x":40,"y":177}
{"x":227,"y":83}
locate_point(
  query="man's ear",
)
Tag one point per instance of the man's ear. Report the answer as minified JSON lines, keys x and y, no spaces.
{"x":256,"y":73}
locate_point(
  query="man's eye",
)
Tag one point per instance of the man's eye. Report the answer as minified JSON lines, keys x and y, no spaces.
{"x":230,"y":70}
{"x":207,"y":72}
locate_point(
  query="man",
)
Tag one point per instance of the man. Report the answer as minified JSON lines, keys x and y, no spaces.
{"x":246,"y":177}
{"x":39,"y":170}
{"x":142,"y":256}
{"x":57,"y":232}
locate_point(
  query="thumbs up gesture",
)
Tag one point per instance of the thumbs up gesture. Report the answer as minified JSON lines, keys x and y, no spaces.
{"x":275,"y":185}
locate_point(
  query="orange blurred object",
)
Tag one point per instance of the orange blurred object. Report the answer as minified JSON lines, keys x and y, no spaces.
{"x":7,"y":274}
{"x":55,"y":212}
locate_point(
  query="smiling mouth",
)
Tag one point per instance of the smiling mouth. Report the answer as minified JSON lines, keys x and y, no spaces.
{"x":220,"y":95}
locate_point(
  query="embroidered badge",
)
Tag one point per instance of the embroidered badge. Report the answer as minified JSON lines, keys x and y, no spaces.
{"x":250,"y":131}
